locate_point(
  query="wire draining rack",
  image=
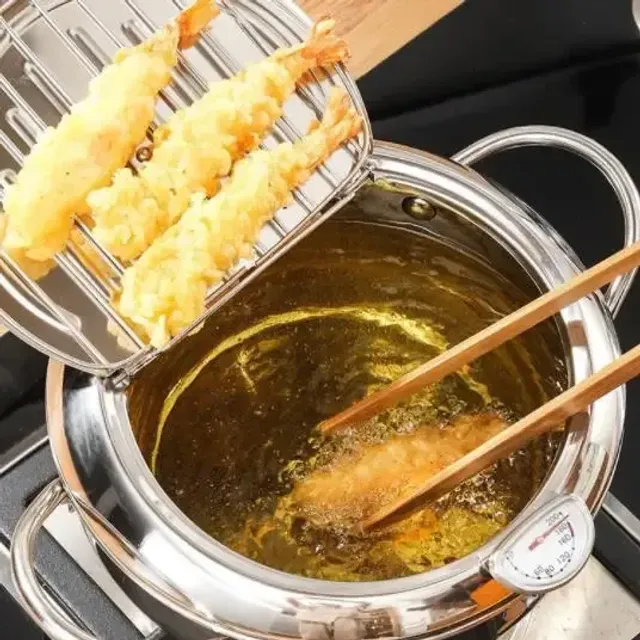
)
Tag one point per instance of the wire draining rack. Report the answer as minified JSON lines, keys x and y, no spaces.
{"x":49,"y":50}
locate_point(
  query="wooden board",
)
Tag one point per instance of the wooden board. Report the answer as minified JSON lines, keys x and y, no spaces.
{"x":375,"y":29}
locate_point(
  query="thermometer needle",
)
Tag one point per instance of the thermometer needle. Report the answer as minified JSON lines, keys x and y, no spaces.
{"x":541,"y":538}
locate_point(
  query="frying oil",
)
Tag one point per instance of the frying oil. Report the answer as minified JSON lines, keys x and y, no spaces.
{"x":346,"y":312}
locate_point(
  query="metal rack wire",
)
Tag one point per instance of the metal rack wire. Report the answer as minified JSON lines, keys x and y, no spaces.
{"x":58,"y":324}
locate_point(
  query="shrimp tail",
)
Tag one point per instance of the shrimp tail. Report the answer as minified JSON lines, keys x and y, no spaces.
{"x":323,"y":47}
{"x":162,"y":44}
{"x":340,"y":122}
{"x":193,"y":20}
{"x":181,"y":33}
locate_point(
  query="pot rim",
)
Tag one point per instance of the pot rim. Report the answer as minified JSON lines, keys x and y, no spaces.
{"x":540,"y":250}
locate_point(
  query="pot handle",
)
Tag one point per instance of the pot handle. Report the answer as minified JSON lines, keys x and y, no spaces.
{"x":36,"y":602}
{"x":613,"y":170}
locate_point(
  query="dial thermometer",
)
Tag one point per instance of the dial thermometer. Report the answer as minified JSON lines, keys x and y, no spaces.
{"x":548,"y":549}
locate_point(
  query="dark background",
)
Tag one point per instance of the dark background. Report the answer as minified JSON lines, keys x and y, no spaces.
{"x":487,"y":43}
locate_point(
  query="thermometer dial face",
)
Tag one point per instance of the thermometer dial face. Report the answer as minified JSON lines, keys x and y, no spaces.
{"x":548,"y":550}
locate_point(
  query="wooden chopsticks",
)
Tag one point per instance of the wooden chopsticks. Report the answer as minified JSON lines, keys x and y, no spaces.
{"x":488,"y":339}
{"x":547,"y":417}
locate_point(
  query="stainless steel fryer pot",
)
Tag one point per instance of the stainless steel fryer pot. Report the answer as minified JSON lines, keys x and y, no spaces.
{"x":196,"y":588}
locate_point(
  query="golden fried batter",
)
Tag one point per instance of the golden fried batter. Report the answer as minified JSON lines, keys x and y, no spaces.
{"x":199,"y":144}
{"x":165,"y":290}
{"x":353,"y":487}
{"x":90,"y":143}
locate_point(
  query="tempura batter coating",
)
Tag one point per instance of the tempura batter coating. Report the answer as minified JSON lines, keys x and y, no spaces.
{"x":199,"y":144}
{"x":349,"y":490}
{"x":165,"y":290}
{"x":89,"y":144}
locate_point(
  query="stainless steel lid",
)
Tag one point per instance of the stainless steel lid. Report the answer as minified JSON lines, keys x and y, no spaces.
{"x":48,"y":53}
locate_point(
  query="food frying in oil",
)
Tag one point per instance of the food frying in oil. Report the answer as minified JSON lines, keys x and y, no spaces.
{"x":349,"y":489}
{"x":233,"y":437}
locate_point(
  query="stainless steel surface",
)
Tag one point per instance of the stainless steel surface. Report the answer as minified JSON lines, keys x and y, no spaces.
{"x":548,"y":550}
{"x":5,"y":571}
{"x":613,"y":170}
{"x":65,"y":527}
{"x":521,"y":630}
{"x":627,"y":520}
{"x":54,"y":515}
{"x":49,"y":617}
{"x":566,"y":614}
{"x":159,"y":552}
{"x":592,"y":607}
{"x":48,"y":53}
{"x":419,"y":208}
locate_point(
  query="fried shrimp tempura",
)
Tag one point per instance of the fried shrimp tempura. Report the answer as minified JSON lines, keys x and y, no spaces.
{"x":199,"y":144}
{"x":353,"y":487}
{"x":165,"y":290}
{"x":90,"y":143}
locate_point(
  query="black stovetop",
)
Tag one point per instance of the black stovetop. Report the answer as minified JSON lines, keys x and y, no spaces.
{"x":600,"y":98}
